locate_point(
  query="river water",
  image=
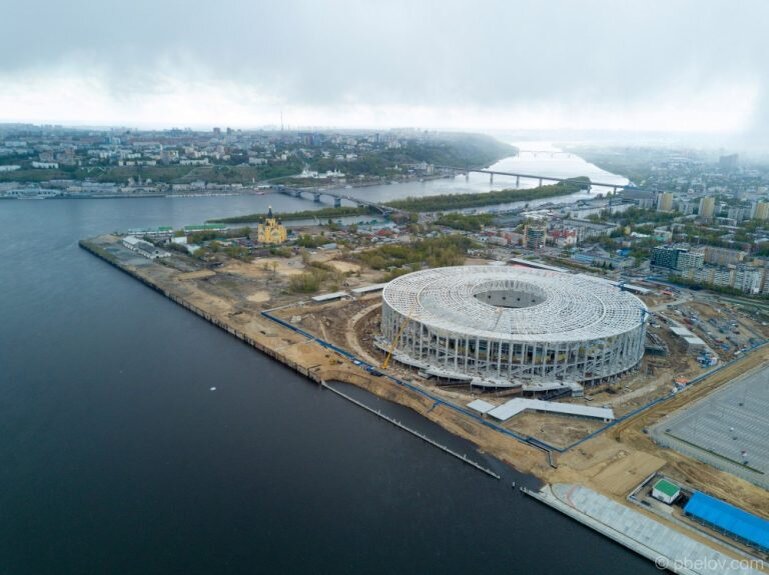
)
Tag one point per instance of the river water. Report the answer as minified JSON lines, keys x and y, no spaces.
{"x":117,"y":458}
{"x":538,"y":158}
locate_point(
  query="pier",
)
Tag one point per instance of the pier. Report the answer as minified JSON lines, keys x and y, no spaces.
{"x":463,"y":458}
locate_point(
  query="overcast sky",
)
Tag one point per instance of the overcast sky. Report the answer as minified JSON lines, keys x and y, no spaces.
{"x":698,"y":66}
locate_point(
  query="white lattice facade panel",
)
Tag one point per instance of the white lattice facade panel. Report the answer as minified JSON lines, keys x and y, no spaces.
{"x":510,"y":322}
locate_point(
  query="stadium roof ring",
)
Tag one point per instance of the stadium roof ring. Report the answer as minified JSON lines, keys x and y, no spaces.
{"x":469,"y":317}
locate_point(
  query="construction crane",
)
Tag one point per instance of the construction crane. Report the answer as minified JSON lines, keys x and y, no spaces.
{"x":395,"y":341}
{"x":499,"y":316}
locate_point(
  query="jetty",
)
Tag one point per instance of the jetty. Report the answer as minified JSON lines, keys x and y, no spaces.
{"x":462,"y":457}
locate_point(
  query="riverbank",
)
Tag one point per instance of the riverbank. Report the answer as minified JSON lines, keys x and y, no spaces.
{"x":32,"y":192}
{"x":670,"y":550}
{"x":602,"y":463}
{"x":436,"y":203}
{"x":306,"y":355}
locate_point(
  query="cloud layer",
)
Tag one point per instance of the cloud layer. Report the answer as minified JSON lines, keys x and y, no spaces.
{"x":678,"y":65}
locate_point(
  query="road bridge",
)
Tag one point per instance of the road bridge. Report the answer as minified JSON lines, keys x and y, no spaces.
{"x":336,"y":195}
{"x":546,"y":153}
{"x":540,"y":179}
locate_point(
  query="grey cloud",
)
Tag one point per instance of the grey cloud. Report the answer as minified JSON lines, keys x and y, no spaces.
{"x":426,"y":52}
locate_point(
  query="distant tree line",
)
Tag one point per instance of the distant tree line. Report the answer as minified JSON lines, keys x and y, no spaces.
{"x":460,"y":201}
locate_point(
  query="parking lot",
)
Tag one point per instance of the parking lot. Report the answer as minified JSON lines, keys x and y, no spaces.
{"x":727,"y":429}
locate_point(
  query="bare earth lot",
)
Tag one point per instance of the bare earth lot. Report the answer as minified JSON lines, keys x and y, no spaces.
{"x":613,"y":463}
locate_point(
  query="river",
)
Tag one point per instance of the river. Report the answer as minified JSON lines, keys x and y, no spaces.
{"x":538,"y":158}
{"x":118,"y":458}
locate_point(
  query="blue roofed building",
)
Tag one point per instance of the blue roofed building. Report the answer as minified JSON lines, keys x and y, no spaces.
{"x":729,"y":520}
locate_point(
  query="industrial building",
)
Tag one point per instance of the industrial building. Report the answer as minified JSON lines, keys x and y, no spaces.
{"x":502,"y":324}
{"x":729,"y":520}
{"x":144,"y":248}
{"x":666,"y":491}
{"x":161,"y":233}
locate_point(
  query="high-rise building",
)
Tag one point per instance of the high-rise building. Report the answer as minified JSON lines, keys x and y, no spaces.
{"x":762,"y":211}
{"x":664,"y":257}
{"x":723,"y":256}
{"x":747,"y":279}
{"x":665,"y":202}
{"x":535,"y":234}
{"x":729,"y":162}
{"x":738,"y":213}
{"x":707,"y":207}
{"x":689,"y":260}
{"x":677,"y":258}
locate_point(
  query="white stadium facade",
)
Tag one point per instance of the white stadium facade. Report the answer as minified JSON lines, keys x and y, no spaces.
{"x":503,"y":324}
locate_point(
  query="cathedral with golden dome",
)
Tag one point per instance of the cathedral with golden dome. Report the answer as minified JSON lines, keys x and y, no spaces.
{"x":271,"y":231}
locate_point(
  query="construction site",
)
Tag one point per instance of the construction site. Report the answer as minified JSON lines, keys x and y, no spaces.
{"x":565,"y":429}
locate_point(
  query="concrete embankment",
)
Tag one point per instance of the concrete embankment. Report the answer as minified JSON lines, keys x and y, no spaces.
{"x":669,"y":549}
{"x":311,"y":358}
{"x":320,"y":361}
{"x":100,"y":252}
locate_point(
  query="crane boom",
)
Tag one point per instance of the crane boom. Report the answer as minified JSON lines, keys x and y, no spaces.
{"x":395,"y":341}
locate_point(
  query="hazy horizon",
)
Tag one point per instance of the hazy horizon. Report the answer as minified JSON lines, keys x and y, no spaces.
{"x":683,"y":68}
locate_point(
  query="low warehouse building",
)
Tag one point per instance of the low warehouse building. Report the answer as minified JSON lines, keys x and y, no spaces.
{"x":729,"y":520}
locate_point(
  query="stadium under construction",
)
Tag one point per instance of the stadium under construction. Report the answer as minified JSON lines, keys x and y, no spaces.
{"x":508,"y":327}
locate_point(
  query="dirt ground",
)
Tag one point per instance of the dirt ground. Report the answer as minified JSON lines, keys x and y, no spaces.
{"x":608,"y":464}
{"x":259,"y":296}
{"x":344,"y":267}
{"x":198,"y":275}
{"x":613,"y":463}
{"x":262,"y":267}
{"x":691,"y":472}
{"x":558,"y":430}
{"x":354,"y":324}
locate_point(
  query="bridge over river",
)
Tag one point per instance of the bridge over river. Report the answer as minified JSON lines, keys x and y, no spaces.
{"x":541,"y":179}
{"x":337,"y":196}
